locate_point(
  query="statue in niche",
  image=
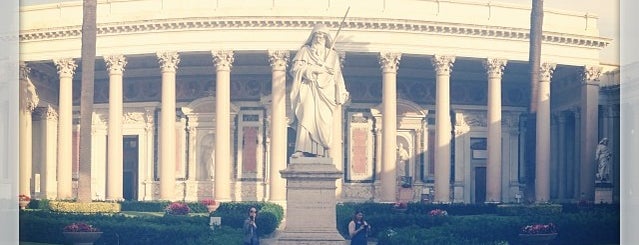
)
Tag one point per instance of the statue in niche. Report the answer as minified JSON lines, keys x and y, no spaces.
{"x":318,"y":88}
{"x":206,"y":158}
{"x":402,"y":166}
{"x":603,"y":157}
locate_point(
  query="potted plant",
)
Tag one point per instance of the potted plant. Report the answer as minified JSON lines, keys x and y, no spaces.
{"x":177,"y":208}
{"x":81,"y":233}
{"x":538,"y":234}
{"x":437,"y":212}
{"x":210,"y":204}
{"x":23,"y":201}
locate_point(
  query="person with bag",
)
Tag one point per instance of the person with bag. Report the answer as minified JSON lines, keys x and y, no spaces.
{"x":251,"y":236}
{"x":358,"y":229}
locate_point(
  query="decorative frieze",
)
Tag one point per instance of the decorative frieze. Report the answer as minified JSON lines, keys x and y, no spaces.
{"x":368,"y":24}
{"x":168,"y":61}
{"x":223,"y":59}
{"x":389,"y":61}
{"x":472,"y":119}
{"x":443,"y":64}
{"x":133,"y":118}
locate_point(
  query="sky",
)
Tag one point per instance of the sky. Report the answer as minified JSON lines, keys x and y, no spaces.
{"x":607,"y":10}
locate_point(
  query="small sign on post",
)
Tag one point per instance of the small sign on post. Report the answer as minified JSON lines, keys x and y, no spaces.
{"x":215,"y":222}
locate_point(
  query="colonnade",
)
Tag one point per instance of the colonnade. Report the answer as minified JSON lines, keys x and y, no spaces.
{"x":278,"y":60}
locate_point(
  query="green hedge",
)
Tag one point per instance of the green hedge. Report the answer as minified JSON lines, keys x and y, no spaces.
{"x":483,"y":224}
{"x":46,"y":227}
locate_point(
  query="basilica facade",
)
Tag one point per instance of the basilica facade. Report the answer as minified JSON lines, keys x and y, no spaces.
{"x":191,"y":101}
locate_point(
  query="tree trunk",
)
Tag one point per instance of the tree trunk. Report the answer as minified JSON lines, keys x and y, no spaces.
{"x":534,"y":56}
{"x":89,"y":31}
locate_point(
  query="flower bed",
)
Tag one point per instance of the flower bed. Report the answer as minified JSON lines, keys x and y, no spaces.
{"x":80,"y":227}
{"x":177,"y":208}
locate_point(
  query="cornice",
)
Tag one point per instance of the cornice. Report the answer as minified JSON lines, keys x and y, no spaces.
{"x":305,"y":23}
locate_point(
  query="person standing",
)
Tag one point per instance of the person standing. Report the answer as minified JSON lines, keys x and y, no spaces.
{"x":358,"y":229}
{"x":318,"y":87}
{"x":251,"y":236}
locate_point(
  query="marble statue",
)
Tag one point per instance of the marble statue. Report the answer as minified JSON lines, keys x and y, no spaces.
{"x":603,"y":157}
{"x":318,"y":88}
{"x":402,"y":160}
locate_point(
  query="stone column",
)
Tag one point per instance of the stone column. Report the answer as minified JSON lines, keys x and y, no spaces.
{"x":563,"y":160}
{"x":443,"y":66}
{"x":168,"y":64}
{"x":28,"y":101}
{"x":49,"y":130}
{"x":576,"y":155}
{"x":389,"y":64}
{"x":114,"y":187}
{"x":279,"y":61}
{"x":148,"y":176}
{"x":494,"y":70}
{"x":223,"y":61}
{"x":66,"y":69}
{"x":542,"y":166}
{"x":589,"y":129}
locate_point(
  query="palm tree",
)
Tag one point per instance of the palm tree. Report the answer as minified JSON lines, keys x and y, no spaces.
{"x":534,"y":56}
{"x":89,"y":32}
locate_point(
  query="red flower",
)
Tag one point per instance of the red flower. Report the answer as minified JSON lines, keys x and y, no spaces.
{"x":437,"y":212}
{"x":207,"y":202}
{"x":400,"y":205}
{"x":80,"y":227}
{"x":177,"y":208}
{"x":24,"y":197}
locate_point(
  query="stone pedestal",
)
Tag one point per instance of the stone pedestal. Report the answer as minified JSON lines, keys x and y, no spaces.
{"x":310,"y":213}
{"x":603,"y":193}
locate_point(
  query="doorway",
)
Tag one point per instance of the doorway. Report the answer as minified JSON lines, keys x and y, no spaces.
{"x":480,"y":184}
{"x":130,"y":168}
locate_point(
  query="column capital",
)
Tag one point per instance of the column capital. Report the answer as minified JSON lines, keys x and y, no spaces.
{"x":545,"y":71}
{"x":576,"y":111}
{"x":561,"y":116}
{"x":278,"y":59}
{"x":389,"y":61}
{"x":115,"y":63}
{"x":443,"y":64}
{"x":223,"y":59}
{"x":168,"y":60}
{"x":495,"y":67}
{"x":28,"y":97}
{"x":66,"y":67}
{"x":590,"y":75}
{"x":50,"y":113}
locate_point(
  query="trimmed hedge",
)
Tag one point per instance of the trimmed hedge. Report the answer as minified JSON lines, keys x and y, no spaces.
{"x":46,"y":227}
{"x":592,"y":224}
